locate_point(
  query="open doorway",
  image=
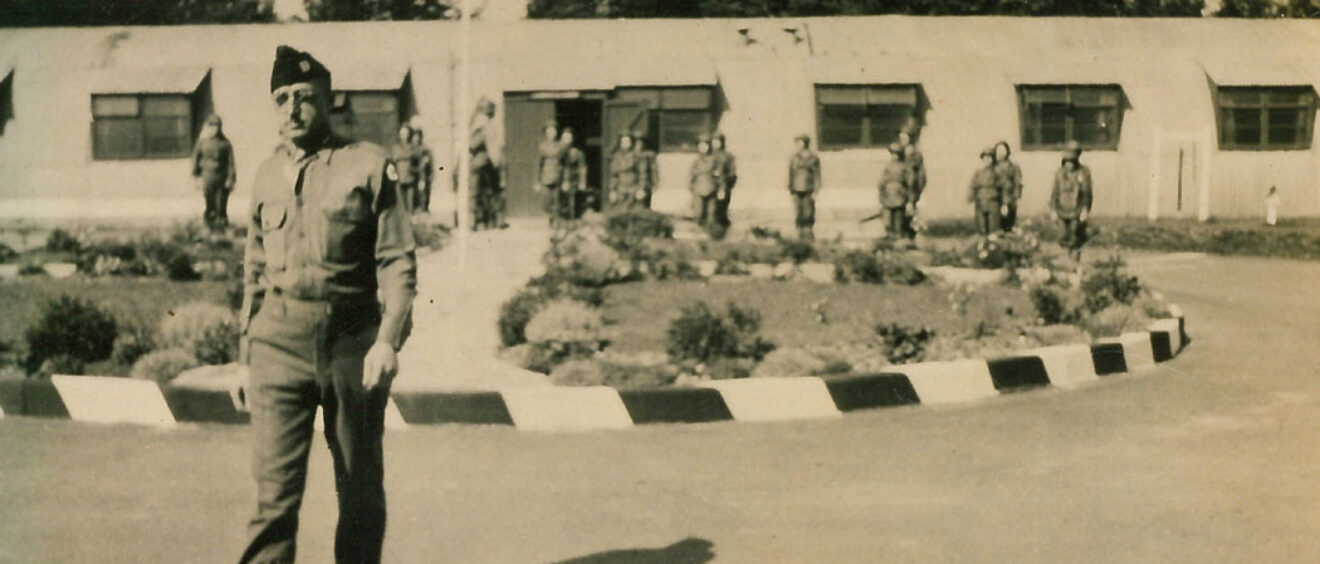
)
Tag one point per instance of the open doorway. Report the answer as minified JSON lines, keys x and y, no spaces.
{"x":584,"y":117}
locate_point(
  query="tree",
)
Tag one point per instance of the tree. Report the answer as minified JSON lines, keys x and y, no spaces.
{"x":29,"y":13}
{"x":363,"y":10}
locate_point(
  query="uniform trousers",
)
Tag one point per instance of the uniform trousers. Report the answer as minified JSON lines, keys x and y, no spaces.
{"x":898,"y":220}
{"x":987,"y":219}
{"x":216,"y":193}
{"x":705,"y":210}
{"x":722,"y":209}
{"x":1009,"y":218}
{"x":1074,"y":235}
{"x":305,"y":354}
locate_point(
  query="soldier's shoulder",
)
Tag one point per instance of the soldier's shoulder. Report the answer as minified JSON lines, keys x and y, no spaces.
{"x":365,"y":150}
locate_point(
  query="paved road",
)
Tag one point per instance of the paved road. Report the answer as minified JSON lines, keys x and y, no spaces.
{"x":1213,"y":458}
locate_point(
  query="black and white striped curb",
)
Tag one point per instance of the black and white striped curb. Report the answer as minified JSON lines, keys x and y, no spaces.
{"x":119,"y":400}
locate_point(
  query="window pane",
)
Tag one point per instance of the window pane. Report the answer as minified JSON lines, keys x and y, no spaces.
{"x":1094,"y":96}
{"x":892,"y":95}
{"x":110,"y":106}
{"x":1239,"y":97}
{"x":162,"y":106}
{"x":886,"y":122}
{"x":1285,"y":126}
{"x":374,"y":102}
{"x":841,"y":125}
{"x":1289,"y":96}
{"x":685,"y":98}
{"x":1245,"y":126}
{"x":841,"y":95}
{"x":1045,"y":95}
{"x":167,"y":137}
{"x":1095,"y":126}
{"x":117,"y":138}
{"x":681,"y":128}
{"x":1053,"y":124}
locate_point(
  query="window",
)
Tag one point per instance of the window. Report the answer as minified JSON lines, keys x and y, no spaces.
{"x":1265,"y":119}
{"x":368,"y":115}
{"x":141,"y":126}
{"x":1053,"y":115}
{"x":678,"y":115}
{"x":864,"y":116}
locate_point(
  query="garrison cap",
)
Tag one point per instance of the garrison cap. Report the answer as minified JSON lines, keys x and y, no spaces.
{"x":293,"y":66}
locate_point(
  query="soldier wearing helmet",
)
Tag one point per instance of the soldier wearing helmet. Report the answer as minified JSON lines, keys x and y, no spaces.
{"x":803,"y":182}
{"x":984,"y":192}
{"x":896,"y":192}
{"x":1070,"y":200}
{"x":213,"y":169}
{"x":625,"y":174}
{"x":728,"y":174}
{"x":704,"y":181}
{"x":1009,"y":177}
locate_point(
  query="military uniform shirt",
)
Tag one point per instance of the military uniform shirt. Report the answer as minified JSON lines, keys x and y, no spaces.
{"x":331,"y":225}
{"x":804,"y":172}
{"x":985,"y":190}
{"x":1072,"y":192}
{"x":213,"y":160}
{"x":1009,"y":178}
{"x":895,"y":184}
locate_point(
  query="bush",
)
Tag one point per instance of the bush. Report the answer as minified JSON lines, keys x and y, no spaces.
{"x":903,"y":344}
{"x":597,"y":372}
{"x":170,"y":258}
{"x":664,"y":259}
{"x":163,"y":365}
{"x":7,"y":253}
{"x":1005,"y":250}
{"x":1050,"y":335}
{"x":61,"y":364}
{"x":582,"y":256}
{"x":1057,"y":304}
{"x":518,"y":310}
{"x":61,"y":241}
{"x":877,"y":268}
{"x":207,"y":331}
{"x":566,"y":320}
{"x":796,"y":251}
{"x":1108,"y":284}
{"x":626,"y":229}
{"x":74,"y":327}
{"x":111,"y":258}
{"x":1116,"y":320}
{"x":701,"y":334}
{"x":134,"y":341}
{"x":790,"y":361}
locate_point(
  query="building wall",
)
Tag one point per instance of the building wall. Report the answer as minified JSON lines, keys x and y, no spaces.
{"x":967,"y":68}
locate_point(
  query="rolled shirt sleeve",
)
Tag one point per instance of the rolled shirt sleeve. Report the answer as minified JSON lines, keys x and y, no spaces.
{"x":396,"y":259}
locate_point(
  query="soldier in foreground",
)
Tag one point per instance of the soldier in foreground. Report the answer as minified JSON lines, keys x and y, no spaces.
{"x":896,"y":193}
{"x":1071,"y":199}
{"x":803,"y":182}
{"x":704,"y":181}
{"x":986,"y":195}
{"x":727,"y":167}
{"x":329,"y":279}
{"x":1009,"y":177}
{"x":213,"y":169}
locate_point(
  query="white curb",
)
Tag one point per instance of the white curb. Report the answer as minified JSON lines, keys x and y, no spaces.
{"x":949,"y":382}
{"x":546,"y":408}
{"x":1137,"y":350}
{"x":1173,"y":328}
{"x":1068,"y":366}
{"x":97,"y":399}
{"x":776,"y":399}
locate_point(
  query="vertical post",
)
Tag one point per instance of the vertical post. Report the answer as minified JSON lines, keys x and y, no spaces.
{"x":1203,"y":211}
{"x":464,"y":210}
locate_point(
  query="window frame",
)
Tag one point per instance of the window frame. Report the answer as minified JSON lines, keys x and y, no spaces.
{"x":1031,"y":127}
{"x":340,"y":112}
{"x":142,"y":119}
{"x":867,"y":97}
{"x":1225,"y":122}
{"x":665,"y":103}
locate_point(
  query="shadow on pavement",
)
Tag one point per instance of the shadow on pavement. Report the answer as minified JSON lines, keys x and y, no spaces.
{"x":686,"y":551}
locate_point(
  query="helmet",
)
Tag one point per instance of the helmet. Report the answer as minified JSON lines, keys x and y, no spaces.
{"x":213,"y":120}
{"x":988,"y":151}
{"x":1073,"y":147}
{"x":803,"y":138}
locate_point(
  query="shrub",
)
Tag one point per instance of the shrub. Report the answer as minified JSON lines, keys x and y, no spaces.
{"x":61,"y":241}
{"x":111,"y":258}
{"x":790,"y":361}
{"x":582,"y":256}
{"x":1108,"y":284}
{"x":134,"y":341}
{"x":664,"y":259}
{"x":903,"y":344}
{"x":701,"y":334}
{"x":170,"y":258}
{"x":566,"y":320}
{"x":163,"y":365}
{"x":727,"y":368}
{"x":187,"y":232}
{"x":1005,"y":250}
{"x":71,"y":326}
{"x":518,"y":310}
{"x":61,"y":364}
{"x":207,"y":331}
{"x":796,"y":251}
{"x":1057,"y":304}
{"x":1116,"y":320}
{"x":1050,"y":335}
{"x":876,"y":268}
{"x":7,"y":253}
{"x":626,"y":229}
{"x":597,"y":372}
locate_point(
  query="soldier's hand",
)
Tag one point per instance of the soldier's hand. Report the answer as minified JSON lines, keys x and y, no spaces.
{"x":1003,"y":209}
{"x":380,"y":366}
{"x":1083,"y":215}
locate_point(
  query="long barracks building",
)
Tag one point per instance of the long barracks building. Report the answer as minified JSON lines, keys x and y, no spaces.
{"x":1179,"y":117}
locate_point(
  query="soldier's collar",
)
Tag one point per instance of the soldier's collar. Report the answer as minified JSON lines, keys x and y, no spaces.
{"x":328,"y":145}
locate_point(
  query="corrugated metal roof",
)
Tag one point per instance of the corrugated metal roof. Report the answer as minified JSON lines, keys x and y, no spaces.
{"x":148,"y":80}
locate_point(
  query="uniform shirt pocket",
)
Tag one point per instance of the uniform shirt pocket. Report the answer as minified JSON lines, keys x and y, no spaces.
{"x":274,"y":220}
{"x":348,"y":227}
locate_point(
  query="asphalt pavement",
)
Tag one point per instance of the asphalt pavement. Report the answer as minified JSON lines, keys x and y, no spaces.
{"x":1213,"y":457}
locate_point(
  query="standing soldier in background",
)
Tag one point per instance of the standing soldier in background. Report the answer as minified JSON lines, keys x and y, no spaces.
{"x":425,"y":171}
{"x":625,"y":174}
{"x":1071,"y":199}
{"x":407,"y":160}
{"x":727,"y":167}
{"x":484,"y":176}
{"x":803,"y":182}
{"x":574,"y":185}
{"x":329,"y":278}
{"x":1009,"y":177}
{"x":704,"y":181}
{"x":985,"y":193}
{"x":648,"y":169}
{"x":213,"y":169}
{"x":916,"y":163}
{"x":896,"y":192}
{"x":550,"y":170}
